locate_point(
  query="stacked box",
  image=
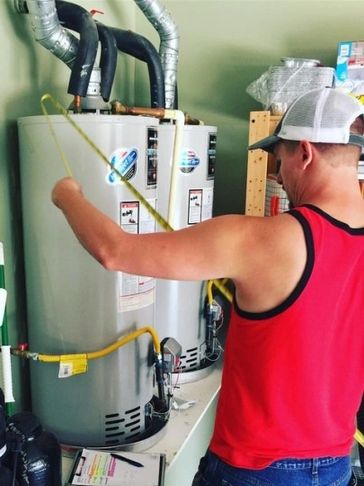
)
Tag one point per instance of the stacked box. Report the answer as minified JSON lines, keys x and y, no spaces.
{"x":349,"y":74}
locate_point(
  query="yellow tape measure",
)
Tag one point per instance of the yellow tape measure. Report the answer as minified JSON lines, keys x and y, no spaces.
{"x":158,"y":217}
{"x":47,"y":97}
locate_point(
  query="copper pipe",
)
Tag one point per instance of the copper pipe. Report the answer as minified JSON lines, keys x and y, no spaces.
{"x":77,"y":104}
{"x":118,"y":108}
{"x":192,"y":121}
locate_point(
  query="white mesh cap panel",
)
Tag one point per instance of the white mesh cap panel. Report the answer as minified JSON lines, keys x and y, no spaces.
{"x":302,"y":112}
{"x":322,"y":115}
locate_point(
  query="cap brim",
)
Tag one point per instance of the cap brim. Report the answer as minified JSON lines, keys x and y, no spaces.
{"x":356,"y":139}
{"x":266,"y":143}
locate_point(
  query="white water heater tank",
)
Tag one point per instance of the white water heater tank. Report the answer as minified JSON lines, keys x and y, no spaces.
{"x":73,"y":304}
{"x":180,"y":305}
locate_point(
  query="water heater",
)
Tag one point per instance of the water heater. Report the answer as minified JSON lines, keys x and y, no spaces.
{"x":74,"y":305}
{"x":180,"y":304}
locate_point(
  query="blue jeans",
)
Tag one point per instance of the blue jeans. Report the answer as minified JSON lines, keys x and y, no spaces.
{"x":327,"y":471}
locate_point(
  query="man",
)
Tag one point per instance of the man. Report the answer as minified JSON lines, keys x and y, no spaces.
{"x":294,"y":361}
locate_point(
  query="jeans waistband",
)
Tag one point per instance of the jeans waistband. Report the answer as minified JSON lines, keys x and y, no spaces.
{"x":304,"y":463}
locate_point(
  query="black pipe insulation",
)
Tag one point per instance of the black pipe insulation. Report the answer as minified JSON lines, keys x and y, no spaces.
{"x":175,"y":102}
{"x":80,"y":20}
{"x":108,"y":59}
{"x":139,"y":47}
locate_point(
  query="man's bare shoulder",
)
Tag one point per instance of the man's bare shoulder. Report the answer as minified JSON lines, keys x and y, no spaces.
{"x":265,"y":232}
{"x":271,"y":260}
{"x":250,"y":236}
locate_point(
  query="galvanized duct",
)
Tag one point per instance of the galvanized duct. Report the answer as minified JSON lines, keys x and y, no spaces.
{"x":169,"y":46}
{"x":49,"y":33}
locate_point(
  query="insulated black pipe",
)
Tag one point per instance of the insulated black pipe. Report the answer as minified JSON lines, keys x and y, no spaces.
{"x":175,"y":102}
{"x":80,"y":20}
{"x":108,"y":59}
{"x":139,"y":47}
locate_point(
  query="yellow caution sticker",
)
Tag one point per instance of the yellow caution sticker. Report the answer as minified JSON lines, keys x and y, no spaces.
{"x":72,"y":364}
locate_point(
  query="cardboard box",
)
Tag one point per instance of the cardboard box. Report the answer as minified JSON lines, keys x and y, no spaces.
{"x":349,"y":74}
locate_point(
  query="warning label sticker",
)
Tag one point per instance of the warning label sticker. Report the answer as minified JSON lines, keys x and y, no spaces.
{"x":136,"y":291}
{"x":194,"y":206}
{"x":129,"y":216}
{"x":199,"y":205}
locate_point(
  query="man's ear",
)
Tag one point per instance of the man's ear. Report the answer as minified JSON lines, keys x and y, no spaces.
{"x":306,"y":151}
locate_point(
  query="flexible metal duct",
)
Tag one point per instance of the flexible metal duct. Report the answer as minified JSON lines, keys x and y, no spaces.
{"x":49,"y":33}
{"x":78,"y":55}
{"x":169,"y":46}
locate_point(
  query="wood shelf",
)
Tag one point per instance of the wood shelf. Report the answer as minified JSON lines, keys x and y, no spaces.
{"x":260,"y":163}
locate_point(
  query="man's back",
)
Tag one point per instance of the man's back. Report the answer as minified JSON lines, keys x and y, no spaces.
{"x":294,"y":372}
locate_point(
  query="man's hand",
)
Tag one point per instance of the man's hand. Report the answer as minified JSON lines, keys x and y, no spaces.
{"x":64,"y":189}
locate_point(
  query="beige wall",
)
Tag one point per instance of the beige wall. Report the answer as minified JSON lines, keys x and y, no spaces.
{"x":225,"y":44}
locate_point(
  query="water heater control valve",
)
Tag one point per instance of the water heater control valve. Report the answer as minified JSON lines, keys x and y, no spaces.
{"x":171,"y":354}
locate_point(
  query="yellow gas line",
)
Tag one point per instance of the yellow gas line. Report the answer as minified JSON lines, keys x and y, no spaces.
{"x":220,"y":285}
{"x":77,"y":363}
{"x":359,"y":437}
{"x":52,"y":358}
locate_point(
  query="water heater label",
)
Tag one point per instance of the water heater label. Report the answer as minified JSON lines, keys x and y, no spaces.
{"x":129,"y":216}
{"x":136,"y":291}
{"x":188,"y":161}
{"x":124,"y":161}
{"x":207,"y":202}
{"x":152,"y":157}
{"x":211,"y":156}
{"x":199,"y":205}
{"x":194,"y":206}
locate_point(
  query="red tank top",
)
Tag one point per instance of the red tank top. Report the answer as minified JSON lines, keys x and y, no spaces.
{"x":293,"y":376}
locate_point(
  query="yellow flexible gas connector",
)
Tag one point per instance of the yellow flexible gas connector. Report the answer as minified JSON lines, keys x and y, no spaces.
{"x":359,"y":437}
{"x":220,"y":285}
{"x":54,"y":358}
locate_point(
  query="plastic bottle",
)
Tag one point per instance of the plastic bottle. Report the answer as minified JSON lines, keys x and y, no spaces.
{"x":38,"y":461}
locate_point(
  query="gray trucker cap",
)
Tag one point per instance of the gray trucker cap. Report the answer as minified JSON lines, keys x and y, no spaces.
{"x":322,"y":115}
